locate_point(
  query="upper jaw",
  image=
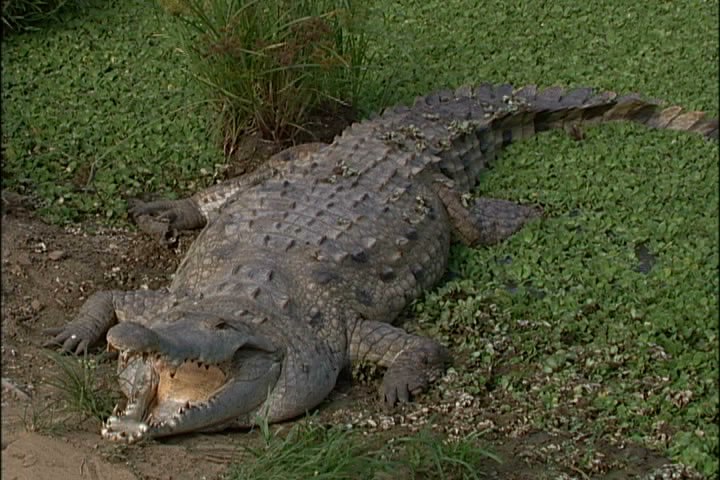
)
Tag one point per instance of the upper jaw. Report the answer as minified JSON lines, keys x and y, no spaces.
{"x":171,"y":344}
{"x":195,"y":337}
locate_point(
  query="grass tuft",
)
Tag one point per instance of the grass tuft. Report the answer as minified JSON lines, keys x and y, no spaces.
{"x":269,"y":66}
{"x":18,"y":15}
{"x":311,"y":450}
{"x":42,"y":418}
{"x":426,"y":455}
{"x":80,"y":386}
{"x":308,"y":450}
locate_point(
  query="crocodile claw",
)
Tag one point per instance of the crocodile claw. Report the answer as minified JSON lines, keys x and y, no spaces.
{"x":412,"y":373}
{"x":163,"y":219}
{"x":87,"y":329}
{"x":71,"y":339}
{"x":154,"y":218}
{"x":400,"y":386}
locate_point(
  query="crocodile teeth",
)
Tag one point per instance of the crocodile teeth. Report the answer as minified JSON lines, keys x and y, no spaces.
{"x":184,"y":408}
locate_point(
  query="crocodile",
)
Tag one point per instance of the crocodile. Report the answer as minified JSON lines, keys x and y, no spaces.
{"x":302,"y":266}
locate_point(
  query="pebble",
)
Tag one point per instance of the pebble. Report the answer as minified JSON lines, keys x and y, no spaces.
{"x":56,"y":255}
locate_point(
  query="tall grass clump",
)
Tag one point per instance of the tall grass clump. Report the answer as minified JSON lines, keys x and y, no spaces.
{"x":23,"y":14}
{"x":85,"y":391}
{"x":311,"y":450}
{"x":269,"y":66}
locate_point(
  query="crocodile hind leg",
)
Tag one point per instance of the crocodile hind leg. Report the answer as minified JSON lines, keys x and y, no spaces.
{"x":100,"y":312}
{"x":488,"y":220}
{"x":164,"y":219}
{"x":412,"y":362}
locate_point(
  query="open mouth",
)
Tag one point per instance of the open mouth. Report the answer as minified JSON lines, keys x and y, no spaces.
{"x":192,"y":383}
{"x":192,"y":375}
{"x":161,"y":393}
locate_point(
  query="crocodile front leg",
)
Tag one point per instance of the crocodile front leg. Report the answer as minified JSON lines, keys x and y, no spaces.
{"x":412,"y":362}
{"x":100,"y":312}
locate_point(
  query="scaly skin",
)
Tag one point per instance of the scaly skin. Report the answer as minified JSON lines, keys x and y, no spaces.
{"x":301,"y":267}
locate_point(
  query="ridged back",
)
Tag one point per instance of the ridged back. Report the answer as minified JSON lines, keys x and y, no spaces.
{"x":466,"y":128}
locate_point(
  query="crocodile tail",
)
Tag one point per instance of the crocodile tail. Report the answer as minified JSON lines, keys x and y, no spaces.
{"x":555,"y":107}
{"x":497,"y":115}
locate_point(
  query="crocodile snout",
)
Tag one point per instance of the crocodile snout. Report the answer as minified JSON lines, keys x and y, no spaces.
{"x":134,"y":337}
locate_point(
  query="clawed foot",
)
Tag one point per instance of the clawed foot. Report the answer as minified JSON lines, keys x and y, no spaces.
{"x":157,"y":219}
{"x":72,"y":338}
{"x":93,"y":320}
{"x":412,"y":372}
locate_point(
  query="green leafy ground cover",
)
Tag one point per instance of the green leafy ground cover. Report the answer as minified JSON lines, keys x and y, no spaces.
{"x":559,"y":321}
{"x":97,"y":108}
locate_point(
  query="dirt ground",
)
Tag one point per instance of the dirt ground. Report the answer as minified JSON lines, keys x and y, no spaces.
{"x":48,"y":271}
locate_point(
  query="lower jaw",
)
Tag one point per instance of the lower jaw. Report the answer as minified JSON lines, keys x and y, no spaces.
{"x":128,"y":430}
{"x":138,"y":422}
{"x":125,"y":429}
